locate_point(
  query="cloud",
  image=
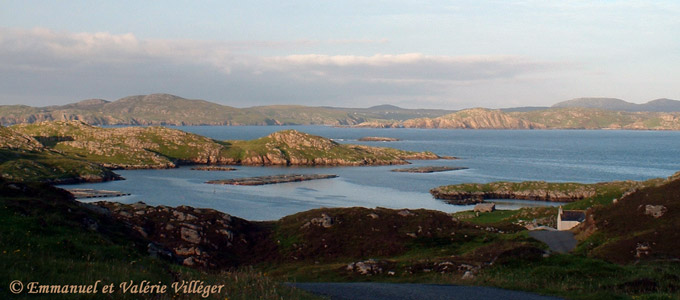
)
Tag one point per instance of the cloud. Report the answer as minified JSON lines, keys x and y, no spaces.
{"x":45,"y":63}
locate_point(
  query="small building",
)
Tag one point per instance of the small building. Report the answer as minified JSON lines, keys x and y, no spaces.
{"x":568,"y":219}
{"x":485,"y":207}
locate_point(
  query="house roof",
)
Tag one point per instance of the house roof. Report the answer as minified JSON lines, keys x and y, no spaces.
{"x":574,"y":215}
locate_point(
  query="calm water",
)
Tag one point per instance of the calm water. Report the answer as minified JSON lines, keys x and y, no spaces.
{"x":491,"y":155}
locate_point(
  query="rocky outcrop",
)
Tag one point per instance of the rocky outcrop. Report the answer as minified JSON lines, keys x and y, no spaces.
{"x":203,"y":238}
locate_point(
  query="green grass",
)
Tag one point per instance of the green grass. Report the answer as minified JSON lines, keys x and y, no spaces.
{"x":48,"y":239}
{"x":578,"y":277}
{"x":48,"y":167}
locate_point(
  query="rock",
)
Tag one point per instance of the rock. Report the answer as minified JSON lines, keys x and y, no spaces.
{"x":468,"y":275}
{"x":656,"y":211}
{"x":325,"y":221}
{"x":141,"y":231}
{"x":367,"y":267}
{"x":373,"y":216}
{"x":405,"y":213}
{"x":485,"y":207}
{"x":157,"y":251}
{"x":179,"y":215}
{"x":642,"y":249}
{"x":190,"y":235}
{"x":189,"y":262}
{"x":139,"y":205}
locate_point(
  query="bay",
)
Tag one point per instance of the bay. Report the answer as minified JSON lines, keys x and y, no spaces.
{"x":585,"y":156}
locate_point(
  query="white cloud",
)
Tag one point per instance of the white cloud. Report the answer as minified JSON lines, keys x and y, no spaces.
{"x":80,"y":64}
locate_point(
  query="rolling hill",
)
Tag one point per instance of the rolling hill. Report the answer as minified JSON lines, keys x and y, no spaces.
{"x":658,"y":105}
{"x":165,"y":109}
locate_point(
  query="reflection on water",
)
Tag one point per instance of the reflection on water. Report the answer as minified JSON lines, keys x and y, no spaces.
{"x":490,"y":155}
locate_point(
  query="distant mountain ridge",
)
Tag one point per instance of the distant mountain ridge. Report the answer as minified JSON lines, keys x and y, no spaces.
{"x":166,"y":109}
{"x":658,"y":105}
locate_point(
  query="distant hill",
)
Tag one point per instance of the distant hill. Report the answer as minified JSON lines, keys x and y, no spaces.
{"x":475,"y":118}
{"x":523,"y":109}
{"x":658,"y":105}
{"x":553,"y":118}
{"x":165,"y":109}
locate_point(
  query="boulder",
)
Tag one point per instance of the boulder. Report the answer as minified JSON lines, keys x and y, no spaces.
{"x":655,"y":211}
{"x":190,"y":235}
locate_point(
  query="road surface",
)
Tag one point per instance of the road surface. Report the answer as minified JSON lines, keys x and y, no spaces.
{"x":558,"y":241}
{"x":412,"y":291}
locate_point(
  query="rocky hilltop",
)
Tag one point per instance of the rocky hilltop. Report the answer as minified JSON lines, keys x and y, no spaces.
{"x":160,"y":147}
{"x":291,"y":147}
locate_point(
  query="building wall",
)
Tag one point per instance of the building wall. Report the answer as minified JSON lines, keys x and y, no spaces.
{"x":566,"y":225}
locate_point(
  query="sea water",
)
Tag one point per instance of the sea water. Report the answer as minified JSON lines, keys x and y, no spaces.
{"x":585,"y":156}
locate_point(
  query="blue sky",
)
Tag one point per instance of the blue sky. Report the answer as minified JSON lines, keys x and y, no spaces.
{"x":435,"y":54}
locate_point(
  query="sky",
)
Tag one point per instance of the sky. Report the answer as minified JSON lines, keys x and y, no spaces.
{"x":414,"y":54}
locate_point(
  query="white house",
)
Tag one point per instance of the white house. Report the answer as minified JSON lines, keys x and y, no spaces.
{"x":568,"y":219}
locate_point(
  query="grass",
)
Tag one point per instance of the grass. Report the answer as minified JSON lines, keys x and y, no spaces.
{"x":46,"y":238}
{"x":48,"y":167}
{"x":578,"y":277}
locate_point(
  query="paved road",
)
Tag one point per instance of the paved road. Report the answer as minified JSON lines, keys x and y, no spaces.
{"x":412,"y":291}
{"x":558,"y":241}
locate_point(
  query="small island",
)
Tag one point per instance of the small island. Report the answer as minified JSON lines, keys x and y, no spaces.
{"x":378,"y":139}
{"x":213,"y":168}
{"x":262,"y":180}
{"x":430,"y":169}
{"x":92,"y":193}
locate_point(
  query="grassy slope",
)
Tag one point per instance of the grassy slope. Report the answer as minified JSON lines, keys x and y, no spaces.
{"x":604,"y":265}
{"x":23,"y":158}
{"x":46,"y":237}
